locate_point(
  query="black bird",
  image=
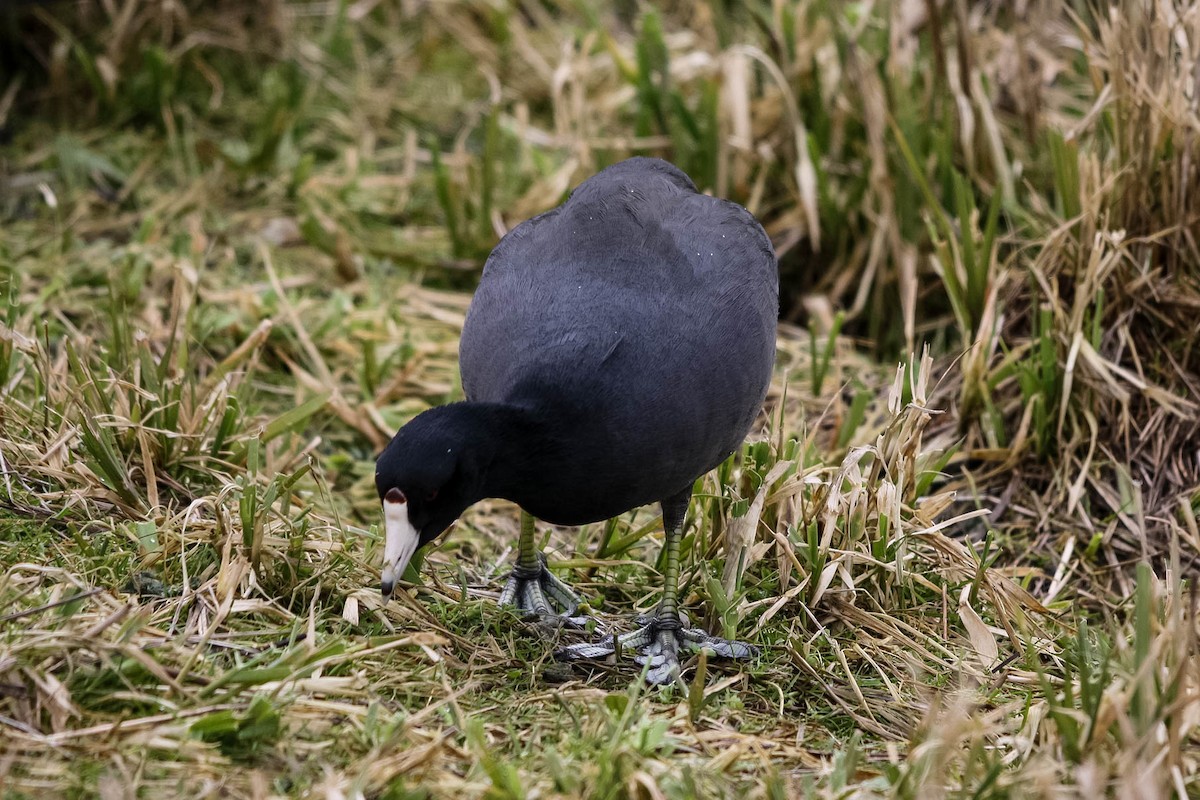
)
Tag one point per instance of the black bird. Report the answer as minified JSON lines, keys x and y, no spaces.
{"x":618,"y":348}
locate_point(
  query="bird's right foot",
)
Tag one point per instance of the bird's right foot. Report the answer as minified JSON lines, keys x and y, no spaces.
{"x":538,"y":592}
{"x":658,"y":644}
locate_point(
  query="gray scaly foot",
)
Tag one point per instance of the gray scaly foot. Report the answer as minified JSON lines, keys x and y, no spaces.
{"x":538,"y":592}
{"x":658,"y":643}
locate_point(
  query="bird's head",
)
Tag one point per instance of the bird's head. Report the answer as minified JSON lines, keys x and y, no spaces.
{"x":425,"y":479}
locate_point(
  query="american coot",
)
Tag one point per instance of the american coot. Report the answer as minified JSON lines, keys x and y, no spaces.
{"x":618,"y":347}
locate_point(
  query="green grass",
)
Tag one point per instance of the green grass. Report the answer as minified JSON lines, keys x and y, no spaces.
{"x":229,"y":270}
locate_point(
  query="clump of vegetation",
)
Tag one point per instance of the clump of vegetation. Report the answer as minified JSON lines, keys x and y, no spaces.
{"x":237,"y":252}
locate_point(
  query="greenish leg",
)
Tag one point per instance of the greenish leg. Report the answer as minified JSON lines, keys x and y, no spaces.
{"x":674,"y":514}
{"x":667,"y":608}
{"x":662,"y":636}
{"x":533,"y":589}
{"x":527,"y":556}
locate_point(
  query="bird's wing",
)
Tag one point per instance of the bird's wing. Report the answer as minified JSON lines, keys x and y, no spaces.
{"x":638,"y":250}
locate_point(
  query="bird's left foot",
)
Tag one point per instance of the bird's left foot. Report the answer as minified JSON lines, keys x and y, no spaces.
{"x":536,"y":591}
{"x":658,"y":643}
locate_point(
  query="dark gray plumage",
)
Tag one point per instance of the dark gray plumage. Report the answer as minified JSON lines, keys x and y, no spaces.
{"x":618,"y":347}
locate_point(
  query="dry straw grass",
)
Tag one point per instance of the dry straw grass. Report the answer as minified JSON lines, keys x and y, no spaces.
{"x":243,"y":261}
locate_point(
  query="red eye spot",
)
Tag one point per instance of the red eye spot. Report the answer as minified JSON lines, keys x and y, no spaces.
{"x":432,"y":495}
{"x":394,"y":495}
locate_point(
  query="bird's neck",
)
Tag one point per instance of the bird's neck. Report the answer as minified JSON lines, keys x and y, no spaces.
{"x":505,"y":444}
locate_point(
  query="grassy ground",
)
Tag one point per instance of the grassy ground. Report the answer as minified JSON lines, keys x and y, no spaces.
{"x":235,"y":254}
